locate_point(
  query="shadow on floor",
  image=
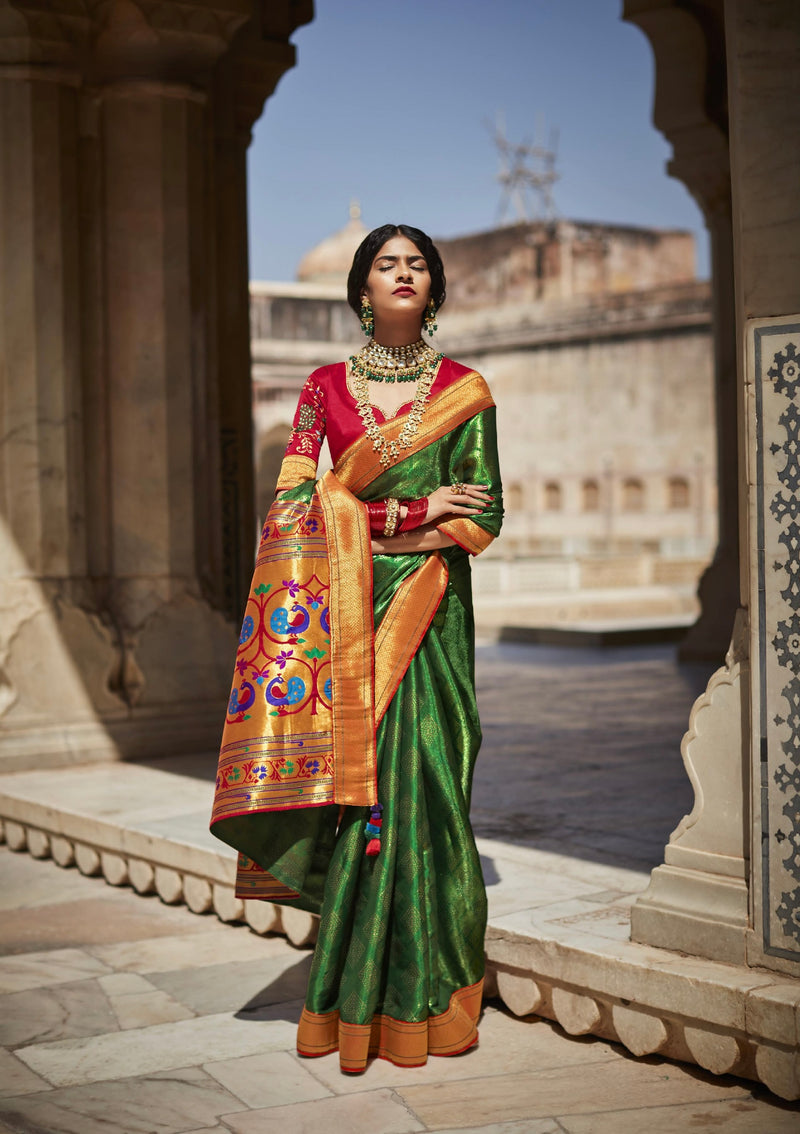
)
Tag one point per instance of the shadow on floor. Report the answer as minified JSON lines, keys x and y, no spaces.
{"x":581,"y":749}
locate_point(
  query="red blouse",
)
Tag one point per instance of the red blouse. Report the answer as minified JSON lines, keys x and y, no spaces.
{"x":327,"y":408}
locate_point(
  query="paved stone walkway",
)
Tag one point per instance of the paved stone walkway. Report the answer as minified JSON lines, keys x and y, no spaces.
{"x":581,"y":751}
{"x":122,"y":1015}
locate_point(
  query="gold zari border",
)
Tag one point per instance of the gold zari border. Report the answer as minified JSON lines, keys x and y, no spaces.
{"x":406,"y":1044}
{"x":252,"y":881}
{"x":403,"y":626}
{"x":352,"y":644}
{"x":295,"y":470}
{"x":467,"y":534}
{"x":360,"y":464}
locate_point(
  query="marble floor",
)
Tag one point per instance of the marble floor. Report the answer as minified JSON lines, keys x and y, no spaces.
{"x":121,"y":1015}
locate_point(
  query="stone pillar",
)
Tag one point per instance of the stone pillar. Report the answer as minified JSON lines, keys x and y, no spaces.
{"x":247,"y":75}
{"x":718,"y":590}
{"x":690,"y":109}
{"x":729,"y":888}
{"x":175,"y":645}
{"x":698,"y":900}
{"x":116,"y":278}
{"x":763,"y":42}
{"x":57,"y":652}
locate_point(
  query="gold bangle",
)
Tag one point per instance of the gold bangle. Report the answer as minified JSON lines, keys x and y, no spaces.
{"x":392,"y":516}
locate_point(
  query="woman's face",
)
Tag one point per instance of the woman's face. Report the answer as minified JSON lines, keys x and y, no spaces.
{"x":399,"y":283}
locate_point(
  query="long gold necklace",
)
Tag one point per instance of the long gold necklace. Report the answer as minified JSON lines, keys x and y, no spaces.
{"x":390,"y":450}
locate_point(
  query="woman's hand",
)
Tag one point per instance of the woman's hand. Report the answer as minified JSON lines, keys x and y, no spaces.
{"x":445,"y":502}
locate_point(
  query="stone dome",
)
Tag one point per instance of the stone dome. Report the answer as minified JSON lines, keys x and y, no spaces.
{"x":330,"y":260}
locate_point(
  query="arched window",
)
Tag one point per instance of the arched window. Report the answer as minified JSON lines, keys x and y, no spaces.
{"x":591,"y":496}
{"x":632,"y":495}
{"x":552,"y":496}
{"x":513,"y":497}
{"x":678,"y":492}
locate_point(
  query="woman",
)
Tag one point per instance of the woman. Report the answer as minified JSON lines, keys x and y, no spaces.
{"x":352,"y":730}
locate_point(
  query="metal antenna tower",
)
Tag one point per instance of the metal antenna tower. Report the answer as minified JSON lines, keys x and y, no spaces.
{"x":527,"y":174}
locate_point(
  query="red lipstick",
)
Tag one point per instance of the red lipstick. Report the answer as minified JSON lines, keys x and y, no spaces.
{"x":405,"y":290}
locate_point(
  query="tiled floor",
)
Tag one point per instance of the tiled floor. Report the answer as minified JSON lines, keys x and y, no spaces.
{"x":120,"y":1015}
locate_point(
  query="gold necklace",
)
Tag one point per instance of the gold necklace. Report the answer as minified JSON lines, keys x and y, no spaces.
{"x":405,"y":363}
{"x":390,"y":450}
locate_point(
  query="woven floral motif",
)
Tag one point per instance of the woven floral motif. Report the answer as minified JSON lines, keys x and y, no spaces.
{"x":308,"y":429}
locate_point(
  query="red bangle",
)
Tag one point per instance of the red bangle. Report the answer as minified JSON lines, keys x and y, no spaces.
{"x":377,"y":515}
{"x":416,"y":512}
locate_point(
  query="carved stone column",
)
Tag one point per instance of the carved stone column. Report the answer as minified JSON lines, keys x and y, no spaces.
{"x":698,"y":901}
{"x":690,"y":109}
{"x":729,"y":888}
{"x":115,"y":224}
{"x":763,"y":43}
{"x":247,"y":75}
{"x":57,"y":653}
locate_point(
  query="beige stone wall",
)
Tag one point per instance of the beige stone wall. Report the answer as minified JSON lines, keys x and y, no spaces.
{"x":550,"y":261}
{"x":607,"y":443}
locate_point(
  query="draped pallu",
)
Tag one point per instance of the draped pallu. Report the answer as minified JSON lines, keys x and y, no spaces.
{"x":354,"y":685}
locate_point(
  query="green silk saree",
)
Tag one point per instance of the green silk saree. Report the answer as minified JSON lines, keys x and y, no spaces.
{"x":354,"y":685}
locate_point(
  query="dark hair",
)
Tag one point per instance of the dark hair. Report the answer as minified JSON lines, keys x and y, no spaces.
{"x":371,"y":245}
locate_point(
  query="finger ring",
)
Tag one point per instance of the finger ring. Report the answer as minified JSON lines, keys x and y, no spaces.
{"x":458,"y":489}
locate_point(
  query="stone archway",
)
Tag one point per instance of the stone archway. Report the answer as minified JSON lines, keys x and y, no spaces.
{"x":691,"y":110}
{"x":127,"y":480}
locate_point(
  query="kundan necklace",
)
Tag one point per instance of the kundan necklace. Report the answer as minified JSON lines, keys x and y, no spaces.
{"x":390,"y":450}
{"x":405,"y":363}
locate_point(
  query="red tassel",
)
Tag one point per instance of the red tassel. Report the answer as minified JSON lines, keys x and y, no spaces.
{"x":373,"y":847}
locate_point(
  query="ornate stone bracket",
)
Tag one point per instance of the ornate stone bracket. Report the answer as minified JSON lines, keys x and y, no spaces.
{"x":697,"y":901}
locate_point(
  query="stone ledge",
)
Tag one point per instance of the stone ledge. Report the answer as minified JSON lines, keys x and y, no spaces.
{"x":728,"y":1019}
{"x":725,"y":1018}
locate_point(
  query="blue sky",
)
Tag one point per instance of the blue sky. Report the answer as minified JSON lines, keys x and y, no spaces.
{"x":389,"y":104}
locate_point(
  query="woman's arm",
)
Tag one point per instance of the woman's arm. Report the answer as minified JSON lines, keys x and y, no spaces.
{"x":474,"y":459}
{"x":426,"y":538}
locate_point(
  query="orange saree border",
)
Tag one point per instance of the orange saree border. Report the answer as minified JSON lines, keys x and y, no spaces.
{"x":252,"y":881}
{"x":359,"y":465}
{"x":355,"y":777}
{"x":407,"y":1044}
{"x":403,"y":627}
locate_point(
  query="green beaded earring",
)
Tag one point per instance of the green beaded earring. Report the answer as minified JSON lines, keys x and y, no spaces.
{"x":367,"y":320}
{"x":430,"y":318}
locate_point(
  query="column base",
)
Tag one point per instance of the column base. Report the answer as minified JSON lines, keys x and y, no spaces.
{"x":691,"y":911}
